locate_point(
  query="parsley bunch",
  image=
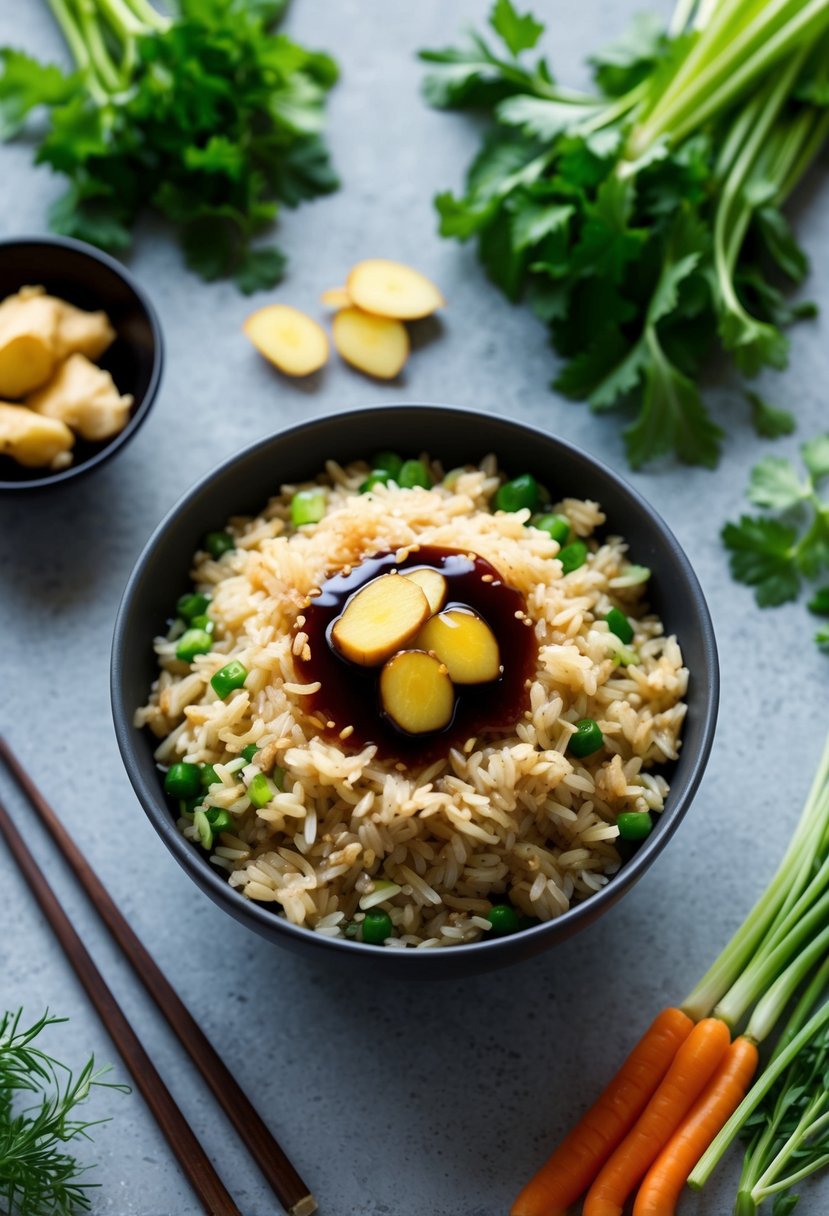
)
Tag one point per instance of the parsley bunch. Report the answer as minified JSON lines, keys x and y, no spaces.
{"x":641,"y":220}
{"x":773,"y":553}
{"x":38,"y":1174}
{"x":209,"y":119}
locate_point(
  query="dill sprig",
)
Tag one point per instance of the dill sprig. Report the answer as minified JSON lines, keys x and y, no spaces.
{"x":39,"y":1176}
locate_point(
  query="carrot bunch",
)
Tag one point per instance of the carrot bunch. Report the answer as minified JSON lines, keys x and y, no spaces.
{"x":685,"y":1091}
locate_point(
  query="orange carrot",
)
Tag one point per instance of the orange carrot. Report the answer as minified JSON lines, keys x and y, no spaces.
{"x":664,"y":1181}
{"x":569,"y":1171}
{"x":691,"y":1069}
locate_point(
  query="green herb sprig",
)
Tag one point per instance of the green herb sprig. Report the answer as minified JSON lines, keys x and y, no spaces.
{"x":39,"y":1175}
{"x":640,"y":220}
{"x":210,"y":119}
{"x":774,"y":553}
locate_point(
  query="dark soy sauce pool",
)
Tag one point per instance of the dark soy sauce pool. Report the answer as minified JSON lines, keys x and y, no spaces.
{"x":349,"y":695}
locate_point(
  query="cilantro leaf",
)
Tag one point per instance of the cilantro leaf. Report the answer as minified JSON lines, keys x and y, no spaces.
{"x":532,"y":222}
{"x":260,"y":268}
{"x":754,"y":344}
{"x":815,"y":455}
{"x":822,"y":641}
{"x":25,"y":84}
{"x":762,"y":556}
{"x":768,"y":420}
{"x":519,"y":32}
{"x":819,"y":603}
{"x":672,"y":417}
{"x":468,"y":76}
{"x":541,"y":117}
{"x":780,"y":242}
{"x":622,"y":64}
{"x":774,"y":483}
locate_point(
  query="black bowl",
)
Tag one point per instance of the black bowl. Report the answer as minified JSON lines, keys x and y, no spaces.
{"x":88,"y":278}
{"x":244,"y":483}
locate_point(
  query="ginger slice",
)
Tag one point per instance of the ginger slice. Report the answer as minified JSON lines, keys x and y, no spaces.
{"x":28,"y":342}
{"x":391,"y":289}
{"x":84,"y":397}
{"x":464,"y":643}
{"x":432,"y":583}
{"x":375,"y":345}
{"x":416,"y":692}
{"x":289,"y":339}
{"x":336,"y":297}
{"x":33,"y":441}
{"x":379,"y":619}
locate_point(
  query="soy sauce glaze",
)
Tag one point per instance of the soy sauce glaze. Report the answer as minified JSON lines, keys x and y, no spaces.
{"x":349,"y":695}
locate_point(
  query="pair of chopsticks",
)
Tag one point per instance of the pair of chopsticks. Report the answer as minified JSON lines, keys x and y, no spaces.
{"x":285,"y":1182}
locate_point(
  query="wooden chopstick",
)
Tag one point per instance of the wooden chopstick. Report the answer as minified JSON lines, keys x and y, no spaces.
{"x":192,"y":1158}
{"x":283,"y":1179}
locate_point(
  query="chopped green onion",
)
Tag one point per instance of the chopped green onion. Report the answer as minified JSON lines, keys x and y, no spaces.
{"x":202,"y":825}
{"x":228,"y":678}
{"x":618,"y":623}
{"x":380,"y":477}
{"x":587,"y":739}
{"x":217,"y":543}
{"x":261,"y":791}
{"x":556,"y":526}
{"x":202,"y":621}
{"x":414,"y":473}
{"x":504,"y":920}
{"x":376,"y":928}
{"x":387,"y":462}
{"x":451,"y":478}
{"x":573,"y":556}
{"x":631,"y":577}
{"x":209,"y":776}
{"x":248,"y":753}
{"x":193,"y":642}
{"x":308,"y":506}
{"x":191,"y":605}
{"x":625,"y":656}
{"x":183,"y":780}
{"x":219,"y":819}
{"x":522,"y":493}
{"x":352,"y":929}
{"x":634,"y":825}
{"x":383,"y":890}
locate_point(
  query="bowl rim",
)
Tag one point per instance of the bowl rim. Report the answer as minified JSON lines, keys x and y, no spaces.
{"x":94,"y":254}
{"x":262,"y":918}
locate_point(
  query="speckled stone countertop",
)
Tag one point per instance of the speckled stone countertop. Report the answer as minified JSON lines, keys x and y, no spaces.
{"x":392,"y":1099}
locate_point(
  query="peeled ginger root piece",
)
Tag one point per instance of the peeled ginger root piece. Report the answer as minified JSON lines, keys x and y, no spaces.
{"x":84,"y":397}
{"x":336,"y":297}
{"x":416,"y":692}
{"x":391,"y":289}
{"x":464,"y":643}
{"x":78,"y":331}
{"x":432,"y":584}
{"x":378,"y":346}
{"x":32,"y":440}
{"x":28,"y":342}
{"x":379,"y":619}
{"x":288,"y":338}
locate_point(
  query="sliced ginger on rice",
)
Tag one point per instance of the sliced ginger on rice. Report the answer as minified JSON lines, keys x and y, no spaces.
{"x":378,"y":346}
{"x":416,"y":692}
{"x":432,"y":584}
{"x":288,"y":338}
{"x":391,"y":289}
{"x":464,"y":643}
{"x":379,"y":619}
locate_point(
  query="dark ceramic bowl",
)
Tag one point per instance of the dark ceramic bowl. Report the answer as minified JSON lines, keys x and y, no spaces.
{"x":82,"y":275}
{"x":244,"y":483}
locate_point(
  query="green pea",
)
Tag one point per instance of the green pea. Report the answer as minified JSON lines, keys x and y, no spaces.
{"x":217,"y":543}
{"x":183,"y":780}
{"x":209,"y":776}
{"x":379,"y":477}
{"x":260,"y":791}
{"x":520,"y":493}
{"x":572,"y":556}
{"x":249,"y":752}
{"x":376,"y":927}
{"x":504,"y":920}
{"x":189,"y":606}
{"x":202,"y":621}
{"x":587,"y":739}
{"x":229,"y":678}
{"x":414,"y":473}
{"x":618,"y":623}
{"x":556,"y":526}
{"x":193,"y":642}
{"x":387,"y":462}
{"x":219,"y":819}
{"x":308,"y":506}
{"x":634,"y":825}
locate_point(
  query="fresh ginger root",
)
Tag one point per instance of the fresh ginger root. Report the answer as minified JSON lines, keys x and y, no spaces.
{"x":84,"y":397}
{"x":32,"y":440}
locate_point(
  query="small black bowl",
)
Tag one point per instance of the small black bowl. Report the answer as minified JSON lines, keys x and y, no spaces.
{"x":244,"y":483}
{"x":90,"y":279}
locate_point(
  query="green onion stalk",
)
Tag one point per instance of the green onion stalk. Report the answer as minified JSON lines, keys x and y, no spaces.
{"x":779,"y":956}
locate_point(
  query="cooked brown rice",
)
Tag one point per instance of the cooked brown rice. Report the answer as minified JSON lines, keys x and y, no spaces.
{"x":514,"y":816}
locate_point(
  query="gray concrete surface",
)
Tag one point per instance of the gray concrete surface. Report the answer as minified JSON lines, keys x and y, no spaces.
{"x":392,"y":1099}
